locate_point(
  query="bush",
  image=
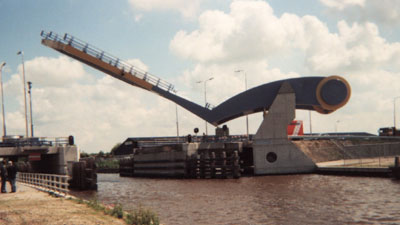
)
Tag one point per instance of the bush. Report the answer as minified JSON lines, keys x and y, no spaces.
{"x":94,"y":204}
{"x":117,"y":211}
{"x":107,"y":164}
{"x":142,"y":216}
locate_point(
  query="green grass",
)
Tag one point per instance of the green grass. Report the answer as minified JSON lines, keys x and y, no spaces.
{"x":107,"y":164}
{"x":139,"y":216}
{"x":142,"y":216}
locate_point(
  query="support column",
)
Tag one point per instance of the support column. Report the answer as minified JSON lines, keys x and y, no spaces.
{"x":273,"y":153}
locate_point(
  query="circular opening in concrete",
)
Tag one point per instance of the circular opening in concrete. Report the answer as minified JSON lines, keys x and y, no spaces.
{"x":271,"y":157}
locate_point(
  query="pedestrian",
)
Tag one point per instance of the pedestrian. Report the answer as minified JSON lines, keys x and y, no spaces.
{"x":12,"y":175}
{"x":3,"y":175}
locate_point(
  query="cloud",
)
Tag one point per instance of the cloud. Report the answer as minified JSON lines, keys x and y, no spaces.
{"x":384,"y":12}
{"x":251,"y":37}
{"x":188,"y":9}
{"x":250,"y":31}
{"x":341,"y":4}
{"x":54,"y":71}
{"x":99,"y":112}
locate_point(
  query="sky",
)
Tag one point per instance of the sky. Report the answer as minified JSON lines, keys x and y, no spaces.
{"x":184,"y":42}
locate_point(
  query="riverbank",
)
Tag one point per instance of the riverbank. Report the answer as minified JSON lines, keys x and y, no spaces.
{"x":30,"y":206}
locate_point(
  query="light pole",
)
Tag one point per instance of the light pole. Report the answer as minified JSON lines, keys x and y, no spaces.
{"x":23,"y":80}
{"x":30,"y":104}
{"x":2,"y":99}
{"x":394,"y":111}
{"x":205,"y":95}
{"x":336,"y":124}
{"x":309,"y":116}
{"x":245,"y":88}
{"x":177,"y":122}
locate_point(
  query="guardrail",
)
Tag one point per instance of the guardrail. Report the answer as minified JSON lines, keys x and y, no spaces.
{"x":108,"y":58}
{"x":46,"y":182}
{"x":19,"y":141}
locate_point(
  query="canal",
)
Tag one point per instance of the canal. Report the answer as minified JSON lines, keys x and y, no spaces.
{"x":290,"y":199}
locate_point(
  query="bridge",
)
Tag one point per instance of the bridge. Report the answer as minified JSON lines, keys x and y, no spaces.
{"x":322,"y":94}
{"x":271,"y":150}
{"x":45,"y":155}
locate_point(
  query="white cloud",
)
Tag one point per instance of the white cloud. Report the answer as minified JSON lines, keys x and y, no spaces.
{"x":103,"y":111}
{"x":98,"y":112}
{"x":384,"y":12}
{"x":188,"y":9}
{"x":341,"y":4}
{"x":251,"y":34}
{"x":54,"y":71}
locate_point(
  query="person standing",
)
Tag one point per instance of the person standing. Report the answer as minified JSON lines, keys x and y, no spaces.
{"x":3,"y":175}
{"x":12,"y":175}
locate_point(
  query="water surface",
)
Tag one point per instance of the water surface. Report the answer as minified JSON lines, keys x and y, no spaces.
{"x":289,"y":199}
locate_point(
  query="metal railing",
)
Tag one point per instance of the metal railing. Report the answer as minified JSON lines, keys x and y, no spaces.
{"x":108,"y":58}
{"x":19,"y":141}
{"x":45,"y":182}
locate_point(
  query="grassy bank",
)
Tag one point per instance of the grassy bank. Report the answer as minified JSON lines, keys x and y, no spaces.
{"x":30,"y":206}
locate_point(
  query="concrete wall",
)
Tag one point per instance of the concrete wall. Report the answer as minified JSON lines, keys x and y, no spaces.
{"x":373,"y":150}
{"x":273,"y":153}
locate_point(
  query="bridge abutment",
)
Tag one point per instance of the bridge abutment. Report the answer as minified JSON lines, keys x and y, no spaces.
{"x":273,"y":153}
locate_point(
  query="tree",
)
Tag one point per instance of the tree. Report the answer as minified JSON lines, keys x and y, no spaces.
{"x":101,"y":154}
{"x":83,"y":154}
{"x":115,"y":148}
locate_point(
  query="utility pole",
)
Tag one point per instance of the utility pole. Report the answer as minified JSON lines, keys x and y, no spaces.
{"x":23,"y":80}
{"x":2,"y":100}
{"x":30,"y":104}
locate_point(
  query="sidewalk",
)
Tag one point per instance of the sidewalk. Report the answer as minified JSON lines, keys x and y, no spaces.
{"x":30,"y":206}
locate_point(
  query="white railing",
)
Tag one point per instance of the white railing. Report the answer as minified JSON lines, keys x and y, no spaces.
{"x":45,"y":182}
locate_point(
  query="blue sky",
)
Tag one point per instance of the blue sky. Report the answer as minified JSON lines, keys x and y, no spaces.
{"x":185,"y":41}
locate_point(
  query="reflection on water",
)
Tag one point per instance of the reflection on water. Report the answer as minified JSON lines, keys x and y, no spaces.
{"x":294,"y":199}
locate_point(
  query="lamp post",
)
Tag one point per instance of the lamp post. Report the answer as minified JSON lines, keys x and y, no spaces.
{"x":30,"y":104}
{"x":394,"y":111}
{"x":309,"y":116}
{"x":245,"y":88}
{"x":2,"y":99}
{"x":23,"y":80}
{"x":336,"y":124}
{"x":205,"y":95}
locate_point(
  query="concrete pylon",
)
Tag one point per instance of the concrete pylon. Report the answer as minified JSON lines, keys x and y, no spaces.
{"x":273,"y":153}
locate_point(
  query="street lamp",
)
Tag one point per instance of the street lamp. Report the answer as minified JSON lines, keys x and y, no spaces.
{"x":245,"y":87}
{"x":2,"y":99}
{"x":30,"y":104}
{"x":205,"y":95}
{"x":394,"y":111}
{"x":23,"y":80}
{"x":309,"y":116}
{"x":336,"y":124}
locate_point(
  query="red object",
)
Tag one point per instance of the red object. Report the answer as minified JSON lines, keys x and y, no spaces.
{"x":295,"y":128}
{"x":34,"y":157}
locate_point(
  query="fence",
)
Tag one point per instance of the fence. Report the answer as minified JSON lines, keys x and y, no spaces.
{"x":46,"y":182}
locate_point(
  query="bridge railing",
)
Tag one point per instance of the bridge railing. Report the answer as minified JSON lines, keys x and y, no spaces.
{"x":45,"y":182}
{"x":17,"y":141}
{"x":108,"y":58}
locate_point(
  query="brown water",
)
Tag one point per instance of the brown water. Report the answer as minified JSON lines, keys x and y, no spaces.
{"x":291,"y":199}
